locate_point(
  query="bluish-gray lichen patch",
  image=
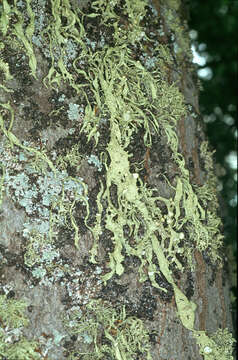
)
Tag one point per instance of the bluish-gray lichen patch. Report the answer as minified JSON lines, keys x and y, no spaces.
{"x":39,"y":272}
{"x":71,"y":51}
{"x":46,"y":195}
{"x":48,"y":186}
{"x":40,"y":225}
{"x":93,"y":159}
{"x":73,"y":111}
{"x":62,"y":98}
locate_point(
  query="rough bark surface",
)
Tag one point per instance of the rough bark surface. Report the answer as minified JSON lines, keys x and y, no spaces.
{"x":110,"y":244}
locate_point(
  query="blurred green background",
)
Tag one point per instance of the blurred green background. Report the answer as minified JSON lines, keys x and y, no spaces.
{"x":214,"y":30}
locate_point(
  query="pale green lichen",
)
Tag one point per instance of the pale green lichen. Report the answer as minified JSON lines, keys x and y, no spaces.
{"x":39,"y":250}
{"x":133,"y":199}
{"x":182,"y":46}
{"x":219,"y":346}
{"x":12,"y":312}
{"x":13,"y":346}
{"x":15,"y":141}
{"x":4,"y":68}
{"x":72,"y":158}
{"x":5,"y":15}
{"x":129,"y":97}
{"x":207,"y":195}
{"x":174,"y":4}
{"x":126,"y":336}
{"x":22,"y":31}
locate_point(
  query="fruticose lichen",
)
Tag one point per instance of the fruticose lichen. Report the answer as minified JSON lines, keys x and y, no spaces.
{"x":127,"y":94}
{"x":13,"y":345}
{"x":120,"y":336}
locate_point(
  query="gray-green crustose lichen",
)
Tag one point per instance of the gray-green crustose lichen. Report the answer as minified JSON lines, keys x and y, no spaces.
{"x":73,"y":112}
{"x":128,"y":97}
{"x":93,"y":159}
{"x":57,"y":190}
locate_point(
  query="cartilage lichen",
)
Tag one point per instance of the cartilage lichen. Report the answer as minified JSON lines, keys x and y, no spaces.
{"x":125,"y":336}
{"x":13,"y":345}
{"x":129,"y":94}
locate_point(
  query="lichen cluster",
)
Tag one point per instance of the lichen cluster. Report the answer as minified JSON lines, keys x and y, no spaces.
{"x":13,"y":345}
{"x":118,"y":85}
{"x":121,"y":336}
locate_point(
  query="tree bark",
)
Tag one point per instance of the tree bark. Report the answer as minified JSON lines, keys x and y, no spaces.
{"x":111,"y":246}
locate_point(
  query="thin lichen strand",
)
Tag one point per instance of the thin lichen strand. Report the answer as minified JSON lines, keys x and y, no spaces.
{"x":119,"y":82}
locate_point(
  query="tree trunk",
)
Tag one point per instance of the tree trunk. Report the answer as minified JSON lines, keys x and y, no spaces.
{"x":110,"y":240}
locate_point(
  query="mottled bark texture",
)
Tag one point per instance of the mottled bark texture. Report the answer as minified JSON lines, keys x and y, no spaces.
{"x":110,"y":242}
